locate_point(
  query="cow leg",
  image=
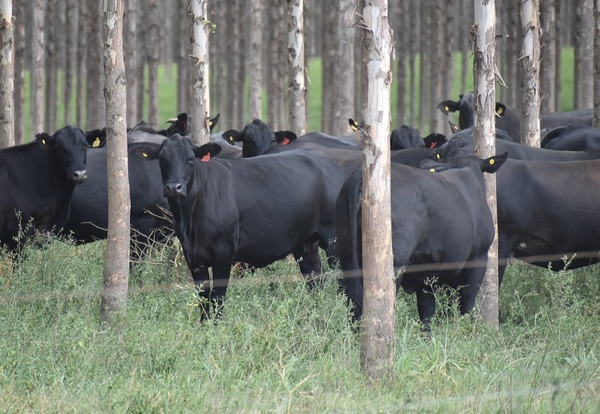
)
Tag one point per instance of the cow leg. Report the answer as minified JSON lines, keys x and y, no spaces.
{"x":468,"y":294}
{"x":221,"y":273}
{"x":425,"y":306}
{"x":309,"y":261}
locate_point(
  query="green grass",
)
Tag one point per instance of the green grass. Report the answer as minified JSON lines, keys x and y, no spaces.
{"x":282,"y":348}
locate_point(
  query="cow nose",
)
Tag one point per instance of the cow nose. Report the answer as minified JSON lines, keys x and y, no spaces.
{"x":79,"y":176}
{"x":174,"y":190}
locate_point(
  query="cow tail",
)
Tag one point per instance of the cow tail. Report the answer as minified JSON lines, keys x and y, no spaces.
{"x":348,"y":216}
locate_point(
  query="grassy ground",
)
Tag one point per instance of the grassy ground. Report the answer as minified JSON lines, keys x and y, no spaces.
{"x":282,"y":348}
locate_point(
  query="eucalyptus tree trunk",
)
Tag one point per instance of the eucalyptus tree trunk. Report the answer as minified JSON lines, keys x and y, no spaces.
{"x":378,"y":339}
{"x":484,"y":77}
{"x":199,"y":28}
{"x":547,"y":55}
{"x":328,"y":64}
{"x":297,"y":88}
{"x":19,"y":83}
{"x":130,"y":49}
{"x":530,"y":59}
{"x":96,"y":109}
{"x":436,"y":54}
{"x":276,"y":87}
{"x":38,"y":13}
{"x":596,"y":119}
{"x":402,"y":43}
{"x":153,"y":49}
{"x":584,"y":41}
{"x":7,"y":75}
{"x":183,"y":60}
{"x":142,"y":59}
{"x":51,"y":67}
{"x":81,"y":89}
{"x":424,"y":66}
{"x":513,"y":45}
{"x":116,"y":262}
{"x":560,"y":8}
{"x":72,"y":11}
{"x":413,"y":41}
{"x":463,"y":41}
{"x":255,"y":59}
{"x":342,"y":100}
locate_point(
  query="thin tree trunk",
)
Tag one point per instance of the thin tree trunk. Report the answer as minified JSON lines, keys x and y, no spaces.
{"x":464,"y":45}
{"x":7,"y":75}
{"x":275,"y":58}
{"x":130,"y":48}
{"x":153,"y":45}
{"x":342,"y":82}
{"x":37,"y":65}
{"x":530,"y":58}
{"x":547,"y":55}
{"x":95,"y":98}
{"x":116,"y":263}
{"x":239,"y":80}
{"x":436,"y":55}
{"x":72,"y":12}
{"x":424,"y":67}
{"x":81,"y":92}
{"x":183,"y":60}
{"x":143,"y":53}
{"x":513,"y":45}
{"x":378,"y":340}
{"x":50,"y":67}
{"x":255,"y":59}
{"x":560,"y":6}
{"x":297,"y":89}
{"x":199,"y":61}
{"x":596,"y":120}
{"x":19,"y":83}
{"x":413,"y":33}
{"x":485,"y":135}
{"x":328,"y":59}
{"x":584,"y":35}
{"x":448,"y":50}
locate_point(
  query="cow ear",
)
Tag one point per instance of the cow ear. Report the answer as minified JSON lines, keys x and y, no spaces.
{"x":492,"y":164}
{"x":45,"y":141}
{"x":146,"y":151}
{"x":285,"y":137}
{"x":448,"y":106}
{"x":232,"y":136}
{"x":212,"y":122}
{"x":207,"y":151}
{"x":434,"y":140}
{"x":96,"y":138}
{"x":453,"y":127}
{"x":500,"y":110}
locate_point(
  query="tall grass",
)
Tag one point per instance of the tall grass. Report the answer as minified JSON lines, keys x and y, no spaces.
{"x":281,"y":347}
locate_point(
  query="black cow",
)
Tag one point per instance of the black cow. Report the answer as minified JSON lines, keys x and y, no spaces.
{"x":406,"y":137}
{"x":569,"y":138}
{"x":256,"y":137}
{"x":255,"y":210}
{"x":441,"y":231}
{"x":37,"y":181}
{"x":518,"y":151}
{"x":549,"y":210}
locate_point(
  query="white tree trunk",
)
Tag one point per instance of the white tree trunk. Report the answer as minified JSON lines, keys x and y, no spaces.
{"x":485,"y":136}
{"x":596,"y":120}
{"x":7,"y":75}
{"x":37,"y":65}
{"x":530,"y":58}
{"x":199,"y":63}
{"x":255,"y":59}
{"x":116,"y":262}
{"x":297,"y":88}
{"x":131,"y":51}
{"x":378,"y":341}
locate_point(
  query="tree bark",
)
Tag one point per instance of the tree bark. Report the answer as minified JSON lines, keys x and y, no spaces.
{"x":342,"y":82}
{"x":72,"y":11}
{"x":199,"y":61}
{"x":596,"y":120}
{"x":277,"y":110}
{"x":96,"y":113}
{"x":378,"y":340}
{"x":19,"y":83}
{"x":81,"y":90}
{"x":530,"y":58}
{"x":402,"y":46}
{"x":547,"y":55}
{"x":153,"y":49}
{"x":116,"y":263}
{"x":297,"y":88}
{"x":413,"y":33}
{"x":7,"y":75}
{"x":255,"y":59}
{"x":560,"y":8}
{"x":485,"y":135}
{"x":50,"y":67}
{"x":584,"y":41}
{"x":130,"y":46}
{"x":38,"y":12}
{"x":183,"y":60}
{"x":328,"y":65}
{"x":424,"y":67}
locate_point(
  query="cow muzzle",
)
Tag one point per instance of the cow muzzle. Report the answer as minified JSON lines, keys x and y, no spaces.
{"x":174,"y":190}
{"x":79,"y":176}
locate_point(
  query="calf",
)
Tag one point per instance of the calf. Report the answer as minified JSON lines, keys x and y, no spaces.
{"x":37,"y":181}
{"x":441,"y":231}
{"x":255,"y":210}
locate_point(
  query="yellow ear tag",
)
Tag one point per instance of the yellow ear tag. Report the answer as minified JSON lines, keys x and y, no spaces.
{"x":353,"y":127}
{"x":231,"y":138}
{"x":210,"y":123}
{"x":500,"y":111}
{"x":438,"y":156}
{"x":432,"y":170}
{"x":491,"y":162}
{"x":43,"y":141}
{"x":145,"y":155}
{"x":447,"y":109}
{"x":96,"y":143}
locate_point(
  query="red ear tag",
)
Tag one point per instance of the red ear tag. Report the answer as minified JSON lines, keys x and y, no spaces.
{"x":285,"y":141}
{"x":184,"y":125}
{"x":433,"y":144}
{"x":205,"y":158}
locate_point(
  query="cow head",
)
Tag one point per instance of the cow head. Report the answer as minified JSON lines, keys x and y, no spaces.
{"x":69,"y":146}
{"x":177,"y":159}
{"x":406,"y":137}
{"x":465,"y":108}
{"x":256,"y":137}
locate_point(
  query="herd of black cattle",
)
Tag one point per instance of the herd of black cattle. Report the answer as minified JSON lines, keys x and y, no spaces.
{"x":255,"y":196}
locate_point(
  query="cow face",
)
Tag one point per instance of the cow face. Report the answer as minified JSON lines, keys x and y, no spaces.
{"x":177,"y":159}
{"x":69,"y":145}
{"x":256,"y":137}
